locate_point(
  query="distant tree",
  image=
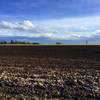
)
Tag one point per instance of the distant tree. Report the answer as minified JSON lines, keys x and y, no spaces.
{"x":11,"y":42}
{"x":5,"y":42}
{"x":58,"y":43}
{"x":1,"y":42}
{"x":35,"y":43}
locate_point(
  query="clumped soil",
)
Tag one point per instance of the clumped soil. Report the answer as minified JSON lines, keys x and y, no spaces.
{"x":49,"y":72}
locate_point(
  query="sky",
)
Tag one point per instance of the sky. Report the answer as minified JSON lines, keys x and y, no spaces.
{"x":50,"y":20}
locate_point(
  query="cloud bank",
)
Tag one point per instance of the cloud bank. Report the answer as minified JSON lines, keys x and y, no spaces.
{"x":64,"y":29}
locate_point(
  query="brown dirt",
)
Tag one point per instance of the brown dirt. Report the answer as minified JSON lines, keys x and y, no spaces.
{"x":50,"y":72}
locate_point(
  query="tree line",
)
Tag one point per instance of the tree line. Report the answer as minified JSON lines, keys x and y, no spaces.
{"x":17,"y":42}
{"x":22,"y":42}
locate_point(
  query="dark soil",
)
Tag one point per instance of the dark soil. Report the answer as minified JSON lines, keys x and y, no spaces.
{"x":49,"y":72}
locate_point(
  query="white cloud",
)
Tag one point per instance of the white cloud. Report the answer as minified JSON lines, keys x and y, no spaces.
{"x":83,"y":28}
{"x":25,"y":25}
{"x":98,"y":31}
{"x":6,"y":25}
{"x":53,"y":29}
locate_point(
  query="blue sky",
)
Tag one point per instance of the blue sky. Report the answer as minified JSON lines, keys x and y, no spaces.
{"x":53,"y":20}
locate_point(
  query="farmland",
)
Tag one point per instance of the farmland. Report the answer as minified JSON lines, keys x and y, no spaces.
{"x":49,"y":72}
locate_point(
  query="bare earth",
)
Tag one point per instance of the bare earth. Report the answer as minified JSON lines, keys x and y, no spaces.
{"x":49,"y":72}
